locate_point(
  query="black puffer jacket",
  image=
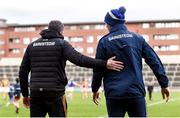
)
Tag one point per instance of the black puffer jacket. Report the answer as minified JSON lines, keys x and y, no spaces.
{"x":46,"y":59}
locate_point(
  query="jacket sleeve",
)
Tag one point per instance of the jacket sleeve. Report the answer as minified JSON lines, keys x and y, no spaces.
{"x":152,"y":59}
{"x":24,"y":72}
{"x":98,"y":74}
{"x":81,"y":60}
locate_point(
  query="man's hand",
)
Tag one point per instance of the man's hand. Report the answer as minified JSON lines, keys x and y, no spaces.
{"x":114,"y":65}
{"x":96,"y":98}
{"x":26,"y":102}
{"x":165,"y":93}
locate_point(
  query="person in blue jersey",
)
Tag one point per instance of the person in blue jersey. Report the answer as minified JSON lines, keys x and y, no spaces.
{"x":17,"y":95}
{"x":125,"y":90}
{"x":70,"y":89}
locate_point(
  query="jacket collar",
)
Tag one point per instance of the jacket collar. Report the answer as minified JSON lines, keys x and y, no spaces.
{"x":118,"y":27}
{"x":49,"y":34}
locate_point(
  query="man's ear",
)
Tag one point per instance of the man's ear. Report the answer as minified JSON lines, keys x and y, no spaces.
{"x":108,"y":27}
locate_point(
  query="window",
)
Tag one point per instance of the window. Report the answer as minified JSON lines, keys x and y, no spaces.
{"x":2,"y":32}
{"x":2,"y":42}
{"x":146,"y":37}
{"x":166,"y":48}
{"x":76,"y":39}
{"x":24,"y":29}
{"x":90,"y":39}
{"x":167,"y":25}
{"x":85,"y":27}
{"x":174,"y":47}
{"x":172,"y":36}
{"x":172,"y":25}
{"x":99,"y":27}
{"x":159,"y":25}
{"x":145,"y":25}
{"x":2,"y":52}
{"x":160,"y":48}
{"x":14,"y":40}
{"x":14,"y":50}
{"x":73,"y":27}
{"x":26,"y":40}
{"x":166,"y":37}
{"x":67,"y":27}
{"x":90,"y":50}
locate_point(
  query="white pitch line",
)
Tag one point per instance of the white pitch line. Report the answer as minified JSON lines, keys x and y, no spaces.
{"x":161,"y":102}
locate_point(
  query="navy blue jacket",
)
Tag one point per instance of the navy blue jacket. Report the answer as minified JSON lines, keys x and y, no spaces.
{"x":129,"y":48}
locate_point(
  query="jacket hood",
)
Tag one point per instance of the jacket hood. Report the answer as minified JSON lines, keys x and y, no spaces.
{"x":49,"y":34}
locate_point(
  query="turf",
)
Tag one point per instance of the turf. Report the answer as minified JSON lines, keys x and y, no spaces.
{"x":78,"y":107}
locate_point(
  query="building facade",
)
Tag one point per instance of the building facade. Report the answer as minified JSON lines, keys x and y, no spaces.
{"x":162,"y":35}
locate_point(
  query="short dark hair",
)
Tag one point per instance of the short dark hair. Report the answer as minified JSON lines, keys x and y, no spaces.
{"x":56,"y":25}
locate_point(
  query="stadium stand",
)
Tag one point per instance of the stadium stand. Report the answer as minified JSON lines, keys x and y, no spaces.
{"x":10,"y":68}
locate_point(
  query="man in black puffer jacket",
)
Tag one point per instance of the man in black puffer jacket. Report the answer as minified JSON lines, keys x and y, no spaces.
{"x":46,"y":59}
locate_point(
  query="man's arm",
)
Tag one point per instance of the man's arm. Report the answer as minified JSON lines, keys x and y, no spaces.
{"x":84,"y":61}
{"x":98,"y":74}
{"x":24,"y":72}
{"x":152,"y":59}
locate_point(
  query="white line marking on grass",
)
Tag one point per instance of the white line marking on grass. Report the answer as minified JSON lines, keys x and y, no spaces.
{"x":162,"y":101}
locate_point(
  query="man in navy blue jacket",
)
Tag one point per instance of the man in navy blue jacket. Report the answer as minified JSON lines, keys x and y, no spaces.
{"x":124,"y":90}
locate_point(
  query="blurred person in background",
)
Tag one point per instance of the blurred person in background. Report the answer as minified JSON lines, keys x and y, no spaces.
{"x":46,"y":59}
{"x":10,"y":94}
{"x":70,"y":89}
{"x":17,"y":95}
{"x":84,"y":88}
{"x":5,"y":86}
{"x":124,"y":90}
{"x":0,"y":91}
{"x":150,"y":87}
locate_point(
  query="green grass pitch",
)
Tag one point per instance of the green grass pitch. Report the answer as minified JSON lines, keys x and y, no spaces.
{"x":79,"y":107}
